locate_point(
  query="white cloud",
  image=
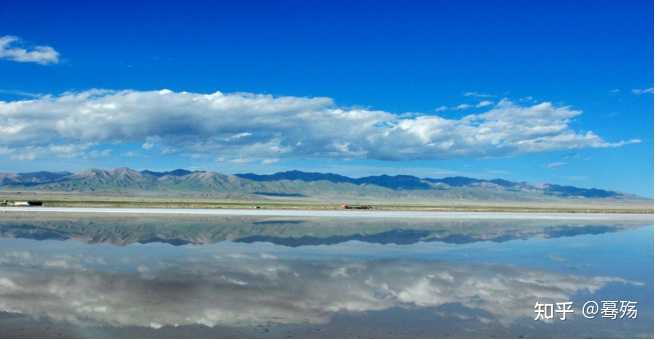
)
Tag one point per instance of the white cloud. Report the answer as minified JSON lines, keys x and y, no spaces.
{"x":32,"y":152}
{"x":642,"y":91}
{"x":463,"y":106}
{"x":478,"y":94}
{"x":460,"y":107}
{"x":148,"y":145}
{"x":554,"y":165}
{"x":258,"y":127}
{"x":10,"y":50}
{"x":92,"y":154}
{"x":484,"y":103}
{"x":241,"y":160}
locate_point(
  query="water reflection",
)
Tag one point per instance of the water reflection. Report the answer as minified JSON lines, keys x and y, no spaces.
{"x":246,"y":290}
{"x":64,"y":276}
{"x":183,"y":230}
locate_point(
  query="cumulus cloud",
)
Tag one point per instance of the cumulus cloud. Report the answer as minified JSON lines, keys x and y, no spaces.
{"x":642,"y":91}
{"x":10,"y":49}
{"x":259,"y":126}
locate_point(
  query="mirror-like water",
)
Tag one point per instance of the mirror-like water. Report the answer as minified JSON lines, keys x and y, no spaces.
{"x":101,"y":276}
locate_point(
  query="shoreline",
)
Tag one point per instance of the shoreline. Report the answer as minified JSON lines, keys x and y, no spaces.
{"x":339,"y":213}
{"x":61,"y":200}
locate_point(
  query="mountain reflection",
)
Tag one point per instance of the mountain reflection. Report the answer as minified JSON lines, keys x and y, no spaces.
{"x":181,"y":230}
{"x":248,"y":290}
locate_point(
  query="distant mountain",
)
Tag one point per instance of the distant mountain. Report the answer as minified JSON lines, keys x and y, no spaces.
{"x":31,"y":178}
{"x":295,"y":184}
{"x":392,"y":182}
{"x":405,"y":182}
{"x":567,"y":191}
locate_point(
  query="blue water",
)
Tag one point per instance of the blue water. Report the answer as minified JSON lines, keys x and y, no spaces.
{"x":70,"y":286}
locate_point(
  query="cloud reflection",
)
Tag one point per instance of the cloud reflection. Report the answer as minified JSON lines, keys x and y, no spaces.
{"x":250,"y":290}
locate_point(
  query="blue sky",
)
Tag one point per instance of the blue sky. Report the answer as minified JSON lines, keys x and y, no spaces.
{"x":541,"y":92}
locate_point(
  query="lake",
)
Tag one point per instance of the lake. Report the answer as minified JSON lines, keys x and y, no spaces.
{"x":102,"y":275}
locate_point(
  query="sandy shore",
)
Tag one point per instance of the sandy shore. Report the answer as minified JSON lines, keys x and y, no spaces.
{"x":340,"y":213}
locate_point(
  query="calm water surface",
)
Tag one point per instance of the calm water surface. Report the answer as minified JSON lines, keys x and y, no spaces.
{"x":64,"y":275}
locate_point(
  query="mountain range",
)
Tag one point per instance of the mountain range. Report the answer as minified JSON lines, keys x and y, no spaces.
{"x":297,"y":184}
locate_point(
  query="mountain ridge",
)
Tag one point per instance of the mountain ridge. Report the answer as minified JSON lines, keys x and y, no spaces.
{"x":295,"y":183}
